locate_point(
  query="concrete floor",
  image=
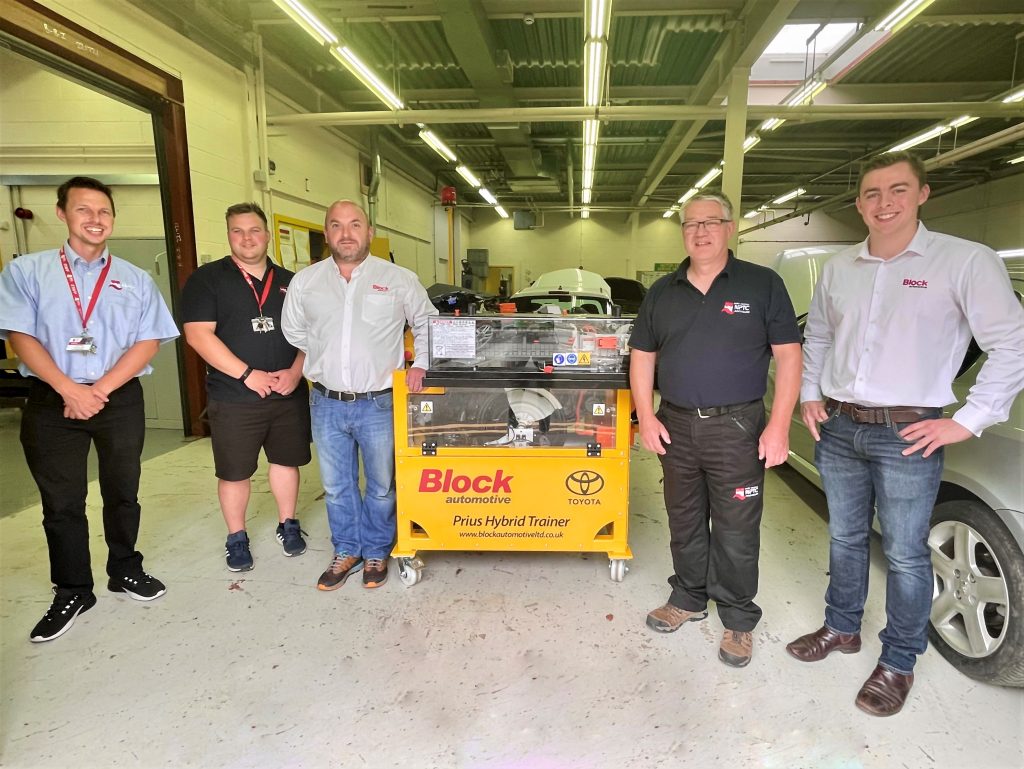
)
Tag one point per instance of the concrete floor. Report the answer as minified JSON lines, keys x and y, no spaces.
{"x":498,"y":660}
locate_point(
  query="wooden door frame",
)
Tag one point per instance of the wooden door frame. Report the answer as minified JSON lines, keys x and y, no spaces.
{"x":40,"y":33}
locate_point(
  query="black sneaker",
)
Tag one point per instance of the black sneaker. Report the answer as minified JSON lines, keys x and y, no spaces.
{"x":236,"y":552}
{"x":61,"y":615}
{"x":140,"y":586}
{"x":342,"y":567}
{"x":289,"y":534}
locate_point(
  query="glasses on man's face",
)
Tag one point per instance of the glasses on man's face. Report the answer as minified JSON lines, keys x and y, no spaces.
{"x":711,"y":225}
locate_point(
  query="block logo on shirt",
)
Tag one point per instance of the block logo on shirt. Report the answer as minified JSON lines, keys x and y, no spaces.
{"x":911,"y":283}
{"x":746,"y":492}
{"x":115,"y":284}
{"x":732,"y":308}
{"x":380,"y":289}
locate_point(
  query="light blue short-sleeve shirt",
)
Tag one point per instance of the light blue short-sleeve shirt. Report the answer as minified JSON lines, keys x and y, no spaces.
{"x":35,"y":299}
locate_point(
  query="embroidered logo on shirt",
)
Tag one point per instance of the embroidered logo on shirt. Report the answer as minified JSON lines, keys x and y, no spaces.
{"x":283,"y":289}
{"x":746,"y":492}
{"x":731,"y":308}
{"x":380,"y":289}
{"x":115,"y":284}
{"x":911,"y":283}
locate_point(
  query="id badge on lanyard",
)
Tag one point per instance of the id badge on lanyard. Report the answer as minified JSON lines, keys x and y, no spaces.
{"x":83,"y":343}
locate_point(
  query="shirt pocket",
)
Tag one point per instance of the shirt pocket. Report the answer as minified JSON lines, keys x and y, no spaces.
{"x":378,"y":308}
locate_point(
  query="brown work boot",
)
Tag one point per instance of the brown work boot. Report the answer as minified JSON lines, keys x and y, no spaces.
{"x":375,"y":572}
{"x":884,"y":693}
{"x":736,"y":648}
{"x":822,"y":642}
{"x":342,"y":566}
{"x":669,"y":618}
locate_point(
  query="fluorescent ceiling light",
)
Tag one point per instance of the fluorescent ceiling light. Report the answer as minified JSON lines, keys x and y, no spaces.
{"x":1016,"y":160}
{"x":466,"y":174}
{"x":306,"y":19}
{"x":752,"y":214}
{"x":670,"y":212}
{"x":594,"y":53}
{"x":902,"y":15}
{"x":1014,"y":96}
{"x":750,"y":142}
{"x":584,"y":213}
{"x":962,"y":121}
{"x":709,"y":177}
{"x":807,"y":91}
{"x":771,"y":124}
{"x":486,"y":195}
{"x":366,"y":76}
{"x":586,"y":195}
{"x":590,"y":131}
{"x":687,"y":195}
{"x":789,"y":196}
{"x":501,"y":212}
{"x":598,"y":17}
{"x":431,"y":140}
{"x":793,"y":38}
{"x":931,"y":133}
{"x":1006,"y":254}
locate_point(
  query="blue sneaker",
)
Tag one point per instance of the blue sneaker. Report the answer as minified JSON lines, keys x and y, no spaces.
{"x":289,"y":534}
{"x":236,"y":552}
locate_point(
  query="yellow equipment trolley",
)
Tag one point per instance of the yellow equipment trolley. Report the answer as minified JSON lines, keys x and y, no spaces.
{"x":519,"y":440}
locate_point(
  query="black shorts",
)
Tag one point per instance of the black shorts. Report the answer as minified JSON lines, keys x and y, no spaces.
{"x":239,"y":430}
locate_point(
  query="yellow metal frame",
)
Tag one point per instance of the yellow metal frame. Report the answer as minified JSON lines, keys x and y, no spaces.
{"x":280,"y":219}
{"x":506,"y":498}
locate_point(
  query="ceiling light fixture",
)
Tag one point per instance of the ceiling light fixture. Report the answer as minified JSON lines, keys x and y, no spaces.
{"x":962,"y":121}
{"x":687,"y":195}
{"x":902,"y":15}
{"x":366,"y":76}
{"x":584,"y":213}
{"x":921,"y":138}
{"x":466,"y":174}
{"x":770,"y":124}
{"x":806,"y":92}
{"x":306,"y":19}
{"x":586,"y":195}
{"x":598,"y":17}
{"x":709,"y":177}
{"x":750,"y":142}
{"x":501,"y":212}
{"x":431,"y":140}
{"x":1014,"y":96}
{"x":594,"y":55}
{"x":1016,"y":160}
{"x":670,"y":212}
{"x":788,"y":196}
{"x":487,"y":195}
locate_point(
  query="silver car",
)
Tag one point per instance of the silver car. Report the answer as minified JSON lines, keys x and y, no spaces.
{"x":977,"y":527}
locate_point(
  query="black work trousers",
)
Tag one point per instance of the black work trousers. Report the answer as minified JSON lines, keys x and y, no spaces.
{"x":57,"y":451}
{"x":714,"y":491}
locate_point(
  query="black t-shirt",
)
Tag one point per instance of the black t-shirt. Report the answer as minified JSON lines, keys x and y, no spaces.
{"x":714,"y":349}
{"x":218,"y":293}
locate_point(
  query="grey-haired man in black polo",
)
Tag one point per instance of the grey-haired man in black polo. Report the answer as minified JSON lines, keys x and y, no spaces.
{"x":713,"y":326}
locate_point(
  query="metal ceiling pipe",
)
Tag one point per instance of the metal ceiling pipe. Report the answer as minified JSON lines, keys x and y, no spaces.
{"x":937,"y":110}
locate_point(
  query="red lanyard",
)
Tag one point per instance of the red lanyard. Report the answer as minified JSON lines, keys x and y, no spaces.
{"x":74,"y":288}
{"x":266,"y":288}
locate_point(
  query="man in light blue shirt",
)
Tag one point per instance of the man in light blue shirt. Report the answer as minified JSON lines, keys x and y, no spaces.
{"x":85,"y":325}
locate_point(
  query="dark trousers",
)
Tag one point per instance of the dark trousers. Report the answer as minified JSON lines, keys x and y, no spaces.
{"x":57,"y":451}
{"x":714,"y":492}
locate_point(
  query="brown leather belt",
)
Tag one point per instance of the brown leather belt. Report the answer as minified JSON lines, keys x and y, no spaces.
{"x":334,"y":395}
{"x":876,"y":415}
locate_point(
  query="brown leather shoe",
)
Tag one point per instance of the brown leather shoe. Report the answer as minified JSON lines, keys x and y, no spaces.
{"x":736,"y":648}
{"x":884,"y":693}
{"x":822,"y":642}
{"x":669,"y":618}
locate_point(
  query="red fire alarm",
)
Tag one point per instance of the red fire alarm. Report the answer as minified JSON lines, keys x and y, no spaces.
{"x":448,"y":196}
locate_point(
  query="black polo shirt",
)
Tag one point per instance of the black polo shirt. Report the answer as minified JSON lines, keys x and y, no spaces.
{"x":218,"y":293}
{"x":714,"y":349}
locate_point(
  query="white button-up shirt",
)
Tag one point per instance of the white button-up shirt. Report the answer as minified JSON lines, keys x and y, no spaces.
{"x":352,"y":330}
{"x":893,"y":332}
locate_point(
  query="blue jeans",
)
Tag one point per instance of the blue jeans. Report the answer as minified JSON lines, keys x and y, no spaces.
{"x":361,"y":524}
{"x":862,"y":467}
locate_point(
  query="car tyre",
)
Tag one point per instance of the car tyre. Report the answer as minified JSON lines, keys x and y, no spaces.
{"x":977,"y":615}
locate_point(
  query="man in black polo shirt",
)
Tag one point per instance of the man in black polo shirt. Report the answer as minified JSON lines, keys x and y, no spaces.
{"x":231,"y":310}
{"x":712,"y":326}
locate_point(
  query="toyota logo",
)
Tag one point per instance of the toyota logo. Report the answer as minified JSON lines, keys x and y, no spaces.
{"x":584,"y":483}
